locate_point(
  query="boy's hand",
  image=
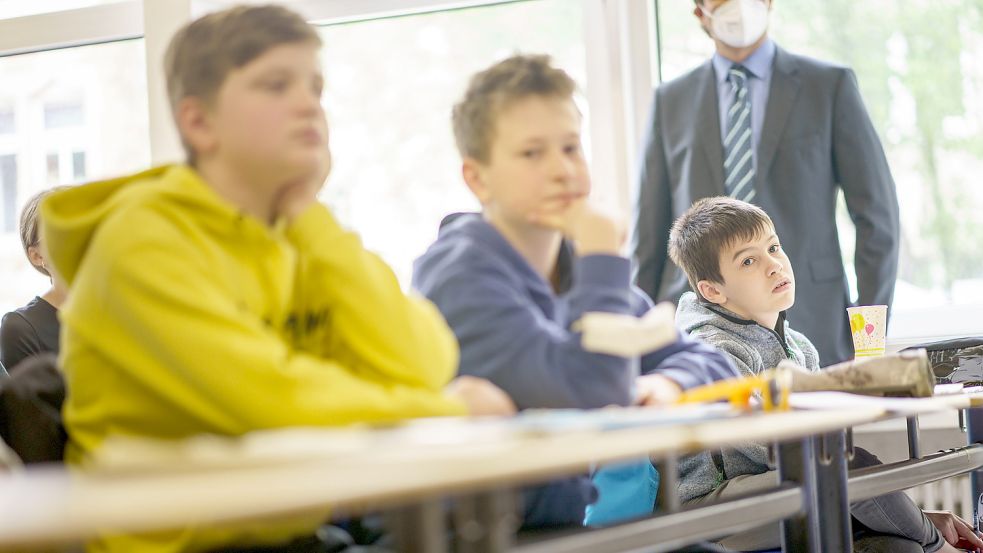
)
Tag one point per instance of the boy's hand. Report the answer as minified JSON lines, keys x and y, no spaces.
{"x":955,"y":530}
{"x":591,"y":230}
{"x":481,"y":396}
{"x":657,"y":390}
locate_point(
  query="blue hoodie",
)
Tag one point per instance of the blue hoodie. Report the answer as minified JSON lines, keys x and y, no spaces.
{"x":515,"y":331}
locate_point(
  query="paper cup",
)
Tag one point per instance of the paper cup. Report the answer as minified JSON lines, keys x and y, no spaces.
{"x":868,"y":325}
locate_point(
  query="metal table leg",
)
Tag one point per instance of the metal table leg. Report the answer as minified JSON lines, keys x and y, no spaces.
{"x":974,"y":434}
{"x":832,"y":507}
{"x":667,"y":497}
{"x":795,"y":464}
{"x":914,"y":448}
{"x":419,"y":528}
{"x":486,"y":522}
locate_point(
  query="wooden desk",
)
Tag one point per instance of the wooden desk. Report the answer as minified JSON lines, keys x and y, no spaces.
{"x":351,"y":470}
{"x":372,"y":470}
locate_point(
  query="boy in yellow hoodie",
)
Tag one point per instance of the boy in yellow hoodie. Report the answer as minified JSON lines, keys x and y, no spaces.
{"x":219,"y":296}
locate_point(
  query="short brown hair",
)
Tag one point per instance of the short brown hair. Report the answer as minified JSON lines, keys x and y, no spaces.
{"x":493,"y":89}
{"x":708,"y":227}
{"x":30,"y":227}
{"x":203,"y":52}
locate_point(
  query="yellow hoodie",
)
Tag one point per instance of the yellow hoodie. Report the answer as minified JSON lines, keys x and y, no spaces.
{"x":186,"y":316}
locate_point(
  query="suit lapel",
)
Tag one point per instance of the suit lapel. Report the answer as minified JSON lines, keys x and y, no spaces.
{"x":708,"y":122}
{"x":781,"y":96}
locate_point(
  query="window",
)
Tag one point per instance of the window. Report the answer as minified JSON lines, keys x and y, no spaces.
{"x":8,"y":185}
{"x":52,"y":170}
{"x":78,"y":166}
{"x":7,"y":121}
{"x":65,"y":167}
{"x":57,"y":116}
{"x":920,"y":76}
{"x":390,"y":84}
{"x":81,"y":114}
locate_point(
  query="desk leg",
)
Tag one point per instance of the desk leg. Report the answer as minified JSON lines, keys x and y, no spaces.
{"x":832,"y":505}
{"x":914,"y":446}
{"x":419,"y":528}
{"x":795,"y":464}
{"x":667,"y":497}
{"x":974,"y":435}
{"x":486,"y":522}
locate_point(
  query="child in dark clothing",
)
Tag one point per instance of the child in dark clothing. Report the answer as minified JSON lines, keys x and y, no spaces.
{"x":34,"y":328}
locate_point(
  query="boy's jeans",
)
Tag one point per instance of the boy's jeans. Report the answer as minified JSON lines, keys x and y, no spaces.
{"x":889,"y":520}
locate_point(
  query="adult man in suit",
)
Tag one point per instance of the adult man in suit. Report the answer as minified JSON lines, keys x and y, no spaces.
{"x":784,"y":132}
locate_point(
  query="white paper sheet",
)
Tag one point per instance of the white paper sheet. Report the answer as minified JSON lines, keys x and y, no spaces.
{"x":626,"y":335}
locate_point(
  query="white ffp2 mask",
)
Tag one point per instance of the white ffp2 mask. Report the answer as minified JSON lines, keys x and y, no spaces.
{"x":739,"y":23}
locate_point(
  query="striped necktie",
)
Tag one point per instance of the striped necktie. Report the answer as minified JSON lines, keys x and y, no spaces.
{"x":738,"y":142}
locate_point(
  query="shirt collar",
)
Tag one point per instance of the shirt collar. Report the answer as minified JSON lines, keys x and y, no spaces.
{"x":758,"y":63}
{"x":780,"y":324}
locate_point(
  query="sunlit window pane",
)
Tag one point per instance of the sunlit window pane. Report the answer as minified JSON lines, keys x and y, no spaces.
{"x":57,"y":116}
{"x":52,"y":173}
{"x":7,"y":121}
{"x":8,"y":184}
{"x":66,"y":116}
{"x":78,"y":166}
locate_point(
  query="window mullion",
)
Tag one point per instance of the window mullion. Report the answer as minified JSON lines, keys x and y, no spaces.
{"x":619,"y":86}
{"x":162,"y":18}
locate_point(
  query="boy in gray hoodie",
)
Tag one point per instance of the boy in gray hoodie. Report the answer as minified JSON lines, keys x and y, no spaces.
{"x":744,"y":283}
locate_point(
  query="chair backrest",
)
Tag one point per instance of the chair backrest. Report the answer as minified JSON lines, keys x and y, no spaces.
{"x":31,"y":397}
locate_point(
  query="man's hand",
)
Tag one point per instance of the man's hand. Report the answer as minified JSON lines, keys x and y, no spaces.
{"x":656,"y":390}
{"x":956,"y":531}
{"x":481,"y":396}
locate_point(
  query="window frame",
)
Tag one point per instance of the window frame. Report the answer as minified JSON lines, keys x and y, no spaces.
{"x":71,"y":28}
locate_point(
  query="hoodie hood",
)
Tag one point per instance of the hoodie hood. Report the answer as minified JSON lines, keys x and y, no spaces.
{"x":70,"y":218}
{"x":466,"y":242}
{"x":693,"y":313}
{"x":771,"y":345}
{"x":458,"y":231}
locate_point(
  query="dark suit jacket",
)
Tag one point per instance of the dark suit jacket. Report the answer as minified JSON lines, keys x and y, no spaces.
{"x":816,"y":137}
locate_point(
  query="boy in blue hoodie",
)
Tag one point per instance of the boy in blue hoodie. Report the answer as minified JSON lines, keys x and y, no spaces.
{"x":511,"y":289}
{"x":744,"y":283}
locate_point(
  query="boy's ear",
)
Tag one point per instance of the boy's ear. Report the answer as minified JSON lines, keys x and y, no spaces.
{"x":711,"y":291}
{"x":194,"y":125}
{"x":35,"y":256}
{"x":473,"y":172}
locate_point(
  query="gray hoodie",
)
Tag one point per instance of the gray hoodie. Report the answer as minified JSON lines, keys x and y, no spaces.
{"x":753,"y":348}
